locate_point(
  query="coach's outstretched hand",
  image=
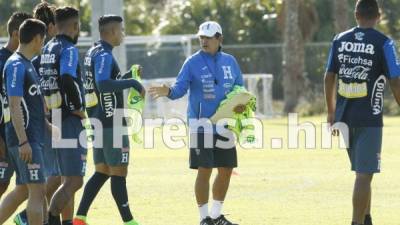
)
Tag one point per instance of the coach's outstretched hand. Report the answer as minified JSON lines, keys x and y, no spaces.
{"x":160,"y":91}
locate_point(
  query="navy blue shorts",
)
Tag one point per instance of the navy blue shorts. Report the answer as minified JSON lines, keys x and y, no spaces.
{"x":6,"y":169}
{"x":50,"y":156}
{"x":29,"y":173}
{"x":212,"y":155}
{"x":365,"y":149}
{"x":72,"y":161}
{"x":6,"y":166}
{"x":110,"y":154}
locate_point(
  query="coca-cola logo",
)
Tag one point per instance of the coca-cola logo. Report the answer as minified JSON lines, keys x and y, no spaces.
{"x":357,"y":72}
{"x":89,"y":84}
{"x":49,"y":83}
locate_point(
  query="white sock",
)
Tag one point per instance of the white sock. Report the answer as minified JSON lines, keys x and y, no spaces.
{"x":216,"y":209}
{"x":203,"y":209}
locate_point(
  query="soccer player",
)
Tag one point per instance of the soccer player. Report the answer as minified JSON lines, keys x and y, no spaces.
{"x":209,"y":75}
{"x":24,"y":131}
{"x":45,"y":12}
{"x":6,"y":167}
{"x":104,"y":85}
{"x":362,"y":59}
{"x":62,"y":88}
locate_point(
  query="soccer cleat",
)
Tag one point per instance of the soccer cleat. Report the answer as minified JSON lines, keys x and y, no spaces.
{"x":132,"y":222}
{"x":207,"y":221}
{"x":20,"y":219}
{"x":221,"y":220}
{"x":78,"y":221}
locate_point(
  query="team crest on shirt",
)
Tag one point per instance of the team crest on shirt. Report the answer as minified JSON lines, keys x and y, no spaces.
{"x":227,"y":72}
{"x":359,"y":36}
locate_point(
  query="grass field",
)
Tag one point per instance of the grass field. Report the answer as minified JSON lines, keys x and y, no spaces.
{"x":273,"y":187}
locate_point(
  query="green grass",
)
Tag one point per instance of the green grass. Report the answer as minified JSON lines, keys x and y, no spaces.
{"x":273,"y":187}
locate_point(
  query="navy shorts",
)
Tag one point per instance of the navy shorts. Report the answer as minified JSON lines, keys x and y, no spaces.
{"x":29,"y":173}
{"x":50,"y":156}
{"x":365,"y":149}
{"x":110,"y":154}
{"x":209,"y":154}
{"x":72,"y":160}
{"x":6,"y":166}
{"x":6,"y":169}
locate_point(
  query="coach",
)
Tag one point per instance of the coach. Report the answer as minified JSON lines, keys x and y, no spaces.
{"x":209,"y":75}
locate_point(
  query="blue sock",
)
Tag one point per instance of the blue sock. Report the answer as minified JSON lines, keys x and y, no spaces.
{"x":92,"y":187}
{"x":120,"y":194}
{"x":23,"y":215}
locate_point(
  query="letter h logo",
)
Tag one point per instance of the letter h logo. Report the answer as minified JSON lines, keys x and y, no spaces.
{"x":34,"y":175}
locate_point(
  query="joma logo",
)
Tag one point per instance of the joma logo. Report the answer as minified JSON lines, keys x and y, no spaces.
{"x":357,"y":48}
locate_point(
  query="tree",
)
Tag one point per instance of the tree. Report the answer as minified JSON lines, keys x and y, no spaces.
{"x":293,"y":55}
{"x":341,"y":15}
{"x":142,"y":16}
{"x":299,"y":20}
{"x":391,"y":18}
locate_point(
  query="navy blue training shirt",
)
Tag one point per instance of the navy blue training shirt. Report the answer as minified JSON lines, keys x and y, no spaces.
{"x":59,"y":57}
{"x":363,"y":59}
{"x":100,"y":65}
{"x":20,"y":80}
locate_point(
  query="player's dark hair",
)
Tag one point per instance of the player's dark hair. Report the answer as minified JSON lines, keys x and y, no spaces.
{"x":16,"y":20}
{"x":367,"y":9}
{"x":106,"y":19}
{"x":66,"y":13}
{"x":29,"y":29}
{"x":45,"y":12}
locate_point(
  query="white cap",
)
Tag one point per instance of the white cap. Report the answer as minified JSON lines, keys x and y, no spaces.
{"x":209,"y":29}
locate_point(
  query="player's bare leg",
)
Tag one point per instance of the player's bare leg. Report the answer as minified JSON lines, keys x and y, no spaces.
{"x":37,"y":193}
{"x":64,"y":194}
{"x":11,"y":202}
{"x":361,"y":196}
